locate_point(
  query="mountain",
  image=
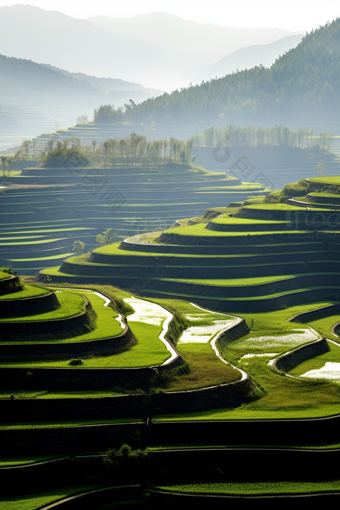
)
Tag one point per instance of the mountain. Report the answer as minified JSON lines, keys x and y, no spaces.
{"x":78,"y":46}
{"x":159,"y":50}
{"x":108,"y":84}
{"x":170,"y":32}
{"x":35,"y":97}
{"x":304,"y":83}
{"x":251,"y":56}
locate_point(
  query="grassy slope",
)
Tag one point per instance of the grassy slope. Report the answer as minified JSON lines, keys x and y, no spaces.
{"x":283,"y":397}
{"x":4,"y":276}
{"x":333,"y":355}
{"x":70,"y":305}
{"x":256,"y":488}
{"x":106,"y":326}
{"x":34,"y":501}
{"x":28,"y":292}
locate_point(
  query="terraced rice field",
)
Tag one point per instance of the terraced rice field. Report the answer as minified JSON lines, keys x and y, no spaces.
{"x":47,"y":211}
{"x":273,"y":247}
{"x":229,"y":345}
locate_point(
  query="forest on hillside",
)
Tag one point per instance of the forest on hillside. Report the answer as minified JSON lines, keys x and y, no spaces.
{"x":303,"y":81}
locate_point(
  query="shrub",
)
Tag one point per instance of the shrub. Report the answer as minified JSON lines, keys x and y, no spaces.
{"x":106,"y":237}
{"x":78,"y":247}
{"x":75,"y":362}
{"x":72,"y":159}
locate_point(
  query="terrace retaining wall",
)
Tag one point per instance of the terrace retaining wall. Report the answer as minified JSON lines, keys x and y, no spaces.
{"x":241,"y":239}
{"x":173,"y":260}
{"x":9,"y":285}
{"x":66,"y":440}
{"x":16,"y":378}
{"x":130,"y":245}
{"x":70,"y":440}
{"x":28,"y":306}
{"x":264,"y":289}
{"x":137,"y":406}
{"x":49,"y":329}
{"x":319,"y":313}
{"x":251,"y":305}
{"x":215,"y":271}
{"x":290,"y":360}
{"x":68,"y":350}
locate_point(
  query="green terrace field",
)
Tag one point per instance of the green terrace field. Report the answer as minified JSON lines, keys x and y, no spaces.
{"x":276,"y":487}
{"x":69,"y":305}
{"x":4,"y":276}
{"x":219,"y":352}
{"x":289,"y":247}
{"x":221,"y":332}
{"x":40,"y":500}
{"x":209,"y":360}
{"x":47,"y":209}
{"x":28,"y":292}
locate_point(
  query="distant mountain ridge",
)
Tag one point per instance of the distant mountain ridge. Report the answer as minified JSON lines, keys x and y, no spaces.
{"x":171,"y":32}
{"x":35,"y":97}
{"x":158,"y":50}
{"x":251,"y":56}
{"x":106,"y":84}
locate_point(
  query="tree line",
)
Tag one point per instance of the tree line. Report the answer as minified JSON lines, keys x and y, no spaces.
{"x":132,"y":150}
{"x":279,"y":134}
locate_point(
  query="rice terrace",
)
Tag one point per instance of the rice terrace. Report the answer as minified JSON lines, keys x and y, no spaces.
{"x":170,"y":284}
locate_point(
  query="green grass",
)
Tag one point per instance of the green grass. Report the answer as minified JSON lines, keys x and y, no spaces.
{"x":256,"y":487}
{"x":63,"y":424}
{"x":245,"y":412}
{"x":38,"y":259}
{"x":234,"y":282}
{"x":29,"y":243}
{"x":70,"y":305}
{"x":40,"y":500}
{"x":106,"y":324}
{"x":28,"y":292}
{"x":113,"y":249}
{"x":274,"y":207}
{"x":52,"y":230}
{"x":54,"y":271}
{"x":4,"y":276}
{"x":225,"y":219}
{"x":335,"y":179}
{"x":325,"y":325}
{"x":200,"y":230}
{"x":205,"y":369}
{"x":48,"y":395}
{"x":22,"y":461}
{"x":281,"y":397}
{"x":148,"y":351}
{"x":324,"y":195}
{"x":333,"y":355}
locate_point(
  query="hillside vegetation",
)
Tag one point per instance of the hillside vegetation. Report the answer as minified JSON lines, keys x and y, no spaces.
{"x":304,"y":79}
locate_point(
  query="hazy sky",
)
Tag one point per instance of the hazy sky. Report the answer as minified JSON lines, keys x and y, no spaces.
{"x":289,"y":14}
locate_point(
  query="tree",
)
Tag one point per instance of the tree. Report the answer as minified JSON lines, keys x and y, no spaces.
{"x":106,"y":237}
{"x":78,"y":247}
{"x":82,"y":119}
{"x":320,"y":168}
{"x":9,"y":162}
